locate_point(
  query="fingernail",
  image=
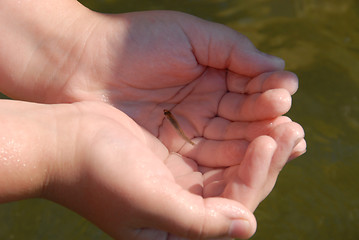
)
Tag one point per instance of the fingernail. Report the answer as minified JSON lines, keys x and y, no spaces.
{"x":240,"y":228}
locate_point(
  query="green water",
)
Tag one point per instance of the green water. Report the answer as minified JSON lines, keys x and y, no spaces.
{"x":316,"y":196}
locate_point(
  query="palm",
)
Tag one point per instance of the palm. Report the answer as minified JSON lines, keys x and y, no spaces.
{"x":192,"y":104}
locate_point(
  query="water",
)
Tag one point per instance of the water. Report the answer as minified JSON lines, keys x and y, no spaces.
{"x":316,"y":196}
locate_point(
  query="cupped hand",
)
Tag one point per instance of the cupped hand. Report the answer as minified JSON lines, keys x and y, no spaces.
{"x":126,"y":181}
{"x":143,"y":63}
{"x":125,"y":57}
{"x":226,"y":95}
{"x":139,"y":179}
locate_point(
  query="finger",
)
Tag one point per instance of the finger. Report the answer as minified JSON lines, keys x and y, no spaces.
{"x":263,"y":82}
{"x":213,"y":181}
{"x":246,"y":183}
{"x":179,"y":165}
{"x":186,"y":215}
{"x":223,"y":48}
{"x":299,"y":149}
{"x":223,"y":129}
{"x":212,"y":153}
{"x":186,"y":174}
{"x":254,"y":107}
{"x":287,"y":136}
{"x":254,"y":169}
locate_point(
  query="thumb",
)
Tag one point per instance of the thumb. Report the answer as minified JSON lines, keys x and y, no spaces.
{"x":221,"y":47}
{"x":184,"y":214}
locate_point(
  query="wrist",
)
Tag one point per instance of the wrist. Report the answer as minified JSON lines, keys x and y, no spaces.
{"x":22,"y":151}
{"x":43,"y":46}
{"x":34,"y":148}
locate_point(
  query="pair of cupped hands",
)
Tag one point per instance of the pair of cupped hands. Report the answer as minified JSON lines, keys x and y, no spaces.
{"x":124,"y":167}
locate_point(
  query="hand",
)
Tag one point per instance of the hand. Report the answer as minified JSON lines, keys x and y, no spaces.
{"x":156,"y":60}
{"x":109,"y":57}
{"x":222,"y":111}
{"x":143,"y":63}
{"x":227,"y":97}
{"x":152,"y":56}
{"x":125,"y":181}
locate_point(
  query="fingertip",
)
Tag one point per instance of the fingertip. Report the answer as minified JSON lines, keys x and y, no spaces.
{"x":242,"y":228}
{"x":274,"y":103}
{"x":262,"y":147}
{"x":252,"y":63}
{"x":299,"y":149}
{"x":290,"y":132}
{"x":280,"y":79}
{"x":277,"y":62}
{"x":265,"y":142}
{"x":284,"y":100}
{"x":231,"y":219}
{"x":290,"y":81}
{"x":257,"y":160}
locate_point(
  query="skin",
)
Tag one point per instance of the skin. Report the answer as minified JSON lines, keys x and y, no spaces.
{"x":106,"y":76}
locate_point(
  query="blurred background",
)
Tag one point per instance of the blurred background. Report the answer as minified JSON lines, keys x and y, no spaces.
{"x":316,"y":196}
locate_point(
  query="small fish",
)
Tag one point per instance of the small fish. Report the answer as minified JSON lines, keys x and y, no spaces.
{"x":175,"y":124}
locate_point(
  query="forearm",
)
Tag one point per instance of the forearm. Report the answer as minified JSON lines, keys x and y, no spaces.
{"x":30,"y":149}
{"x":39,"y":49}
